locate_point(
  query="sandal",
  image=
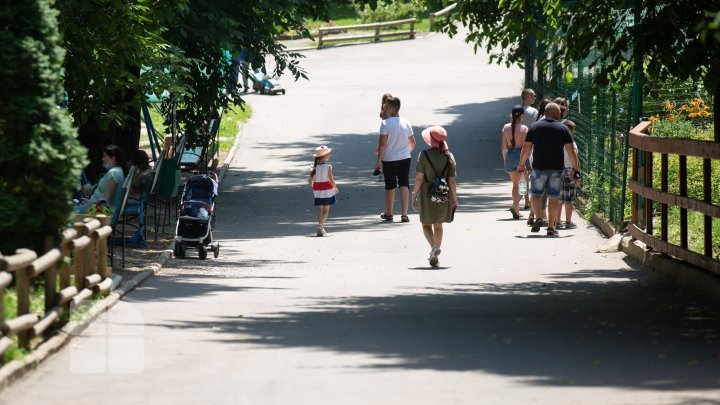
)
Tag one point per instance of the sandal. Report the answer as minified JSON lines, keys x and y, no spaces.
{"x":404,"y":218}
{"x":515,"y":214}
{"x":386,"y":217}
{"x":531,"y":220}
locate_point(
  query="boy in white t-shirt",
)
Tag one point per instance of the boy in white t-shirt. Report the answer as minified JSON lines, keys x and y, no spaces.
{"x":396,"y":142}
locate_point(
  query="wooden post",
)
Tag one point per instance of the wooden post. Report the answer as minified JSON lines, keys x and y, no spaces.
{"x":320,"y":38}
{"x":412,"y":29}
{"x":65,"y":247}
{"x":683,"y":211}
{"x":432,"y":22}
{"x":664,"y":188}
{"x":79,"y":258}
{"x":707,"y":194}
{"x":634,"y":176}
{"x":377,"y":33}
{"x":22,"y":278}
{"x":648,"y":202}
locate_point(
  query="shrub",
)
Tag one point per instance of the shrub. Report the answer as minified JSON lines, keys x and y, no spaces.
{"x":39,"y":155}
{"x":388,"y":10}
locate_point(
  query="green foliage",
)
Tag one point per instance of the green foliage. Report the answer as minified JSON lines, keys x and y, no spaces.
{"x":39,"y":156}
{"x":108,"y":41}
{"x":388,"y":10}
{"x":206,"y":28}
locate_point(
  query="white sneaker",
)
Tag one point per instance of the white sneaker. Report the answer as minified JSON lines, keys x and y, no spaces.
{"x":320,"y":231}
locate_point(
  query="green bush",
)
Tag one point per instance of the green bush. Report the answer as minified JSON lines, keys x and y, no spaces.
{"x":39,"y":155}
{"x":390,"y":10}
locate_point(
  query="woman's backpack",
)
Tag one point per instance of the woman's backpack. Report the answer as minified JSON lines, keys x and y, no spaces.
{"x":438,"y":188}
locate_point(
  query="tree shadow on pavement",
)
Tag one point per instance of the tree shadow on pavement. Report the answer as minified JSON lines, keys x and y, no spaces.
{"x":264,"y":204}
{"x":602,"y":329}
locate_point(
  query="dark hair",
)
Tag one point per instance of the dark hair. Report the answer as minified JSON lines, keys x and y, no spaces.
{"x":116,"y":152}
{"x":393,"y":102}
{"x":516,"y":112}
{"x":317,"y":160}
{"x":140,"y":158}
{"x":541,"y":107}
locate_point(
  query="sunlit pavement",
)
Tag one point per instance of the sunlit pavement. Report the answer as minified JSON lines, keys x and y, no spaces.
{"x":358,"y":317}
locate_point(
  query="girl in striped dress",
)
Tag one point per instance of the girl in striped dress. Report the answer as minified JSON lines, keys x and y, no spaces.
{"x":324,"y":187}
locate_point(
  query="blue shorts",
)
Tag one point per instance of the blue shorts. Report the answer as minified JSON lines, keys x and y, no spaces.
{"x":512,"y":160}
{"x":546,"y":180}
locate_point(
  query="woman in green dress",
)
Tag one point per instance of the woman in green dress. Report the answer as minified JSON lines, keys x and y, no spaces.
{"x":437,"y":161}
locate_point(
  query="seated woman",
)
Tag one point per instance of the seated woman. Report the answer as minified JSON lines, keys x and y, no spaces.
{"x":141,"y":161}
{"x":109,"y":183}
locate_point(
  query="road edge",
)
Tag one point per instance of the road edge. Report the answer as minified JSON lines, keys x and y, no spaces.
{"x":17,"y":369}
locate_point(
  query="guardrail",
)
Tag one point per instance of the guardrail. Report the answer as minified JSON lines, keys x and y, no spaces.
{"x":323,"y":32}
{"x":642,"y":226}
{"x":86,"y":245}
{"x":446,"y":12}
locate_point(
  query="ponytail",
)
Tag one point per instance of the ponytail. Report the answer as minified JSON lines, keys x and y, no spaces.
{"x":317,"y":160}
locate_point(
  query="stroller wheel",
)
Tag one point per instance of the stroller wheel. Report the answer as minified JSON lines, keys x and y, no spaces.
{"x":216,"y":250}
{"x":202,"y":252}
{"x":179,"y":250}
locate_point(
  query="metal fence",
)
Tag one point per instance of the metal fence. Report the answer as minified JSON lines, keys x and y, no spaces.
{"x":603,"y":119}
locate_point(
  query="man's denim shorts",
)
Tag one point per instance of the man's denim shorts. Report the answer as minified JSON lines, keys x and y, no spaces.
{"x":550,"y":180}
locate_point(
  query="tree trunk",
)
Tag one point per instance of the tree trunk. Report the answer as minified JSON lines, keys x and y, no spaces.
{"x":95,"y":139}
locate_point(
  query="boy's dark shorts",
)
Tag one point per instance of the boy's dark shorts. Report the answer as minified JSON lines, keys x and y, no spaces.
{"x":397,"y":173}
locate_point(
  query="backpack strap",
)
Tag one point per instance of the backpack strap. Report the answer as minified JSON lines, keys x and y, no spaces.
{"x":433,"y":166}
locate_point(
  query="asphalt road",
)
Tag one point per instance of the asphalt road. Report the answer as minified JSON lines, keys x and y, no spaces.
{"x":358,"y":317}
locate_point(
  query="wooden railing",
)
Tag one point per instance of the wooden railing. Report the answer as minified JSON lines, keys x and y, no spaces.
{"x":323,"y":32}
{"x":643,"y":217}
{"x":446,"y":12}
{"x":65,"y":286}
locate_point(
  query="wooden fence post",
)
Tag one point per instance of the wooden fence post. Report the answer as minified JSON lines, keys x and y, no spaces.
{"x":377,"y":33}
{"x":22,"y":279}
{"x":412,"y":30}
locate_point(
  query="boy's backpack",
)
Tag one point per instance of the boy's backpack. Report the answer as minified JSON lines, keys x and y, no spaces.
{"x":438,"y":189}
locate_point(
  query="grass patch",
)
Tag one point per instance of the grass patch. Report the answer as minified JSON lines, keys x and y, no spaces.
{"x":37,"y":307}
{"x":233,"y":118}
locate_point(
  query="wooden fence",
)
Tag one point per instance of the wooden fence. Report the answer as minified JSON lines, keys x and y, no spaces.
{"x":72,"y":273}
{"x":446,"y":12}
{"x":642,"y":227}
{"x":323,"y":32}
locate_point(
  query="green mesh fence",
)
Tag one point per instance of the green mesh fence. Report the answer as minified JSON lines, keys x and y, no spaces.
{"x":602,"y":119}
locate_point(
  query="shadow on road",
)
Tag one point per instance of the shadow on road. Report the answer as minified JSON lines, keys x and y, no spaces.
{"x":284,"y":199}
{"x":552,"y":333}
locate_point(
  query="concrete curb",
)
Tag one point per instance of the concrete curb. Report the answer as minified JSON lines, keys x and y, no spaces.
{"x":687,"y":276}
{"x":16,"y":369}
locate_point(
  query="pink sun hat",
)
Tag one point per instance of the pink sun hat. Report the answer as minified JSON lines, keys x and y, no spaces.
{"x":322,"y":150}
{"x":435,"y":137}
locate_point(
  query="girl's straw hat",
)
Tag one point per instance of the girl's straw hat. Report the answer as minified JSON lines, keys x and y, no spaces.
{"x":435,"y":137}
{"x":322,"y":150}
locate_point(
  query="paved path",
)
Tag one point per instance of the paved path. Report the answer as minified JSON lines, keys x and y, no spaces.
{"x":357,"y":317}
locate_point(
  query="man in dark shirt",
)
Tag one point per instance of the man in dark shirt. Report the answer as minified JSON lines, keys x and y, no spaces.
{"x":546,"y":140}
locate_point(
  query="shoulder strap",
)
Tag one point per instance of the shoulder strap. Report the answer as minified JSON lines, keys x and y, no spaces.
{"x":433,"y":166}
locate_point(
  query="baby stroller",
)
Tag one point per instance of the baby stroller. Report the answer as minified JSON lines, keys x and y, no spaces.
{"x":265,"y":84}
{"x":197,"y":216}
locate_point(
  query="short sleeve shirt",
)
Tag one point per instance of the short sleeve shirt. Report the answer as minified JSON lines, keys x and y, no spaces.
{"x":520,"y":132}
{"x":530,"y":116}
{"x":398,"y":130}
{"x":549,"y":138}
{"x":116,"y":174}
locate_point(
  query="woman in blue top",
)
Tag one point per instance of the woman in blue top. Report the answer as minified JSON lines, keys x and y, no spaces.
{"x":110,"y":182}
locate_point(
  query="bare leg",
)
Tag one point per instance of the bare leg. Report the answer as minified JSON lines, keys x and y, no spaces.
{"x":404,"y":199}
{"x":438,"y":233}
{"x":324,"y":212}
{"x":543,"y":212}
{"x":553,"y":205}
{"x":515,"y":178}
{"x":428,"y":232}
{"x":559,"y":212}
{"x":527,"y":193}
{"x":568,"y":212}
{"x":536,"y":204}
{"x":389,"y":201}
